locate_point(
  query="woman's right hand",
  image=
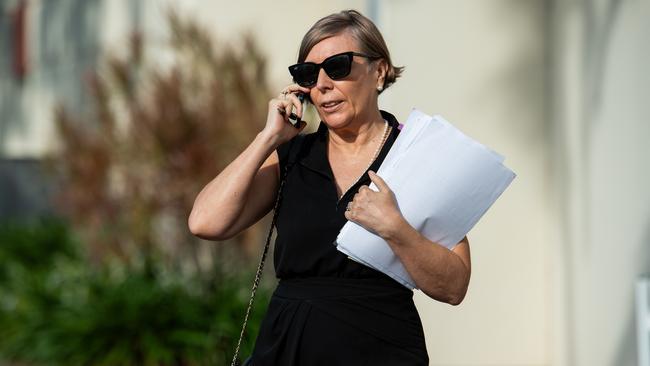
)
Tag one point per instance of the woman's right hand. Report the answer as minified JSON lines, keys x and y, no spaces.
{"x":278,"y":127}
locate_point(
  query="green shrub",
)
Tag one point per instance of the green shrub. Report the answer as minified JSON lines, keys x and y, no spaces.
{"x":66,"y":313}
{"x":35,"y":246}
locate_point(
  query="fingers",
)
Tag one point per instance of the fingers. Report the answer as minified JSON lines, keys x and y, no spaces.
{"x":356,"y":209}
{"x":379,"y":181}
{"x":296,"y":104}
{"x":295,"y":88}
{"x":349,"y":213}
{"x":289,"y":105}
{"x":284,"y":105}
{"x":357,"y":204}
{"x":281,"y":105}
{"x":281,"y":113}
{"x":278,"y":119}
{"x":364,"y":188}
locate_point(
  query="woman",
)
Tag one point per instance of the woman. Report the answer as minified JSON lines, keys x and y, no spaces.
{"x":327,"y":308}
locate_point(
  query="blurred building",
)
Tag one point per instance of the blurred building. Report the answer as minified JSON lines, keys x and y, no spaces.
{"x":46,"y":48}
{"x":561,"y":88}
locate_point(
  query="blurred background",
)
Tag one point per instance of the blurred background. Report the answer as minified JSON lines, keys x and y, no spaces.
{"x":115,"y":113}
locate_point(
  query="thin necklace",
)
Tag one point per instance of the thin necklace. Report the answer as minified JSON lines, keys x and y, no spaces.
{"x":376,"y":154}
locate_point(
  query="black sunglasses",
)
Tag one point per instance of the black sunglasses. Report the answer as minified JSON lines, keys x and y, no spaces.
{"x":337,"y":67}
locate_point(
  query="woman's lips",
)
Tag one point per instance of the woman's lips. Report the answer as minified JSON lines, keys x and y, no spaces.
{"x":332,"y":106}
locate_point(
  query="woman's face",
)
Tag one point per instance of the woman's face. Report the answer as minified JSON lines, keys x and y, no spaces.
{"x":353,"y":98}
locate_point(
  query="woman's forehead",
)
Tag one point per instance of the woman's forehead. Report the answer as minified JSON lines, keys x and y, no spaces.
{"x":342,"y":42}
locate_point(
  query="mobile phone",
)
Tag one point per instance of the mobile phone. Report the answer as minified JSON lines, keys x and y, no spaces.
{"x":293,"y":118}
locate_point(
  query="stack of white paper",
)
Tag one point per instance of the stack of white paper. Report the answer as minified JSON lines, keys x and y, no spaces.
{"x":443,"y":181}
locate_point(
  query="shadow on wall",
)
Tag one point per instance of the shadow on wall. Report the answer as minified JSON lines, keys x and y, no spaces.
{"x":520,"y":77}
{"x":65,"y":50}
{"x":627,"y":348}
{"x":523,"y":77}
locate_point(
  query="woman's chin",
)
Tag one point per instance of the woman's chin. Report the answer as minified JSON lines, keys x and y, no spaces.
{"x":335,"y":120}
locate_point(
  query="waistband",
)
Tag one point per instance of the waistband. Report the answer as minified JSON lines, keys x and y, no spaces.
{"x":378,"y":306}
{"x":334,"y":287}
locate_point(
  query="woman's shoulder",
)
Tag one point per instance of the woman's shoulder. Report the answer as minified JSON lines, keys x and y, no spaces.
{"x":289,"y":150}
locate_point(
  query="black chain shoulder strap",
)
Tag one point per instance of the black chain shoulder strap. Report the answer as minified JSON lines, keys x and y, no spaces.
{"x":258,"y":274}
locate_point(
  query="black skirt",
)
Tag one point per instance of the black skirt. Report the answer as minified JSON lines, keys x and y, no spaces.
{"x":341,"y":321}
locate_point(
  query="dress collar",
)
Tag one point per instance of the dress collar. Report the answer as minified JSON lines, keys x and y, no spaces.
{"x":316,"y":157}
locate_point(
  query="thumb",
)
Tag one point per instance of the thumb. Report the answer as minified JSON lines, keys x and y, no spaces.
{"x":379,"y":182}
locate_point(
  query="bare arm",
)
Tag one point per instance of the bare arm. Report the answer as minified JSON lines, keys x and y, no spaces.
{"x":440,"y":273}
{"x":240,"y":195}
{"x":245,"y":190}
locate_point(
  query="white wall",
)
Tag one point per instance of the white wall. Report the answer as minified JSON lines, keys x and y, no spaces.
{"x":481,"y":65}
{"x":603,"y":133}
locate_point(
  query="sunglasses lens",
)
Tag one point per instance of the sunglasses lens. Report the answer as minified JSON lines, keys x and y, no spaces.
{"x":304,"y":74}
{"x":338,"y":67}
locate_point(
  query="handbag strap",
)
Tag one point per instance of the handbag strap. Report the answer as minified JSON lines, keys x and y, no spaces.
{"x":260,"y":267}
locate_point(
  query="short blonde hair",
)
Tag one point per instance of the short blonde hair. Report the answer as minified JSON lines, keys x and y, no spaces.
{"x":362,"y":29}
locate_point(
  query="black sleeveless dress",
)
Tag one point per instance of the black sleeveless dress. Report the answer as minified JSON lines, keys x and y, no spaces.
{"x":328,"y":309}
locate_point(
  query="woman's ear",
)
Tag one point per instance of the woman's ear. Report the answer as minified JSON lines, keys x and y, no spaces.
{"x":382,"y":70}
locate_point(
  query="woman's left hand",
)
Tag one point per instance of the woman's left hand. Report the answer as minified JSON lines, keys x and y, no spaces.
{"x":376,"y":211}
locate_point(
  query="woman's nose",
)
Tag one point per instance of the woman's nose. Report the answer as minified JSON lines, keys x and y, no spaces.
{"x":323,"y":82}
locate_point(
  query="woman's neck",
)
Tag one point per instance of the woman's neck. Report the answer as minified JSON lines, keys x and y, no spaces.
{"x":357,"y":135}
